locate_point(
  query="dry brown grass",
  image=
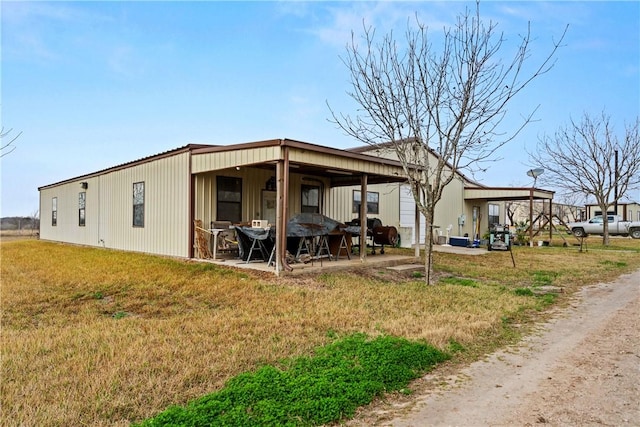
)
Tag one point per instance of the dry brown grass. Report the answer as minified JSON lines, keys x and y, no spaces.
{"x":99,"y":337}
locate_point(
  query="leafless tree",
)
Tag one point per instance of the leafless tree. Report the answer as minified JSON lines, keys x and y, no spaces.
{"x":589,"y":158}
{"x":7,"y":147}
{"x":439,"y":111}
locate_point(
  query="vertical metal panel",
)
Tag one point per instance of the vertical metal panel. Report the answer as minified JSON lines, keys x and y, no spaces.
{"x":253,"y":183}
{"x":109,"y":215}
{"x":389,"y":203}
{"x":68,"y":228}
{"x":220,"y":160}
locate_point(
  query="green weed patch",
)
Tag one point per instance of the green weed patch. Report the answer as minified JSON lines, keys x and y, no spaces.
{"x":459,"y":281}
{"x":310,"y":391}
{"x":543,"y":278}
{"x":617,"y":264}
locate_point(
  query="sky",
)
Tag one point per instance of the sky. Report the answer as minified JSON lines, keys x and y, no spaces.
{"x":91,"y":85}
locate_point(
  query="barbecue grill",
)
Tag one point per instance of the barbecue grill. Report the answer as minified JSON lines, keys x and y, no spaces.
{"x":376,"y":232}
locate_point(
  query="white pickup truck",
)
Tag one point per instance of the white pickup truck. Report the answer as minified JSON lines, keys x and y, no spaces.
{"x":617,"y":227}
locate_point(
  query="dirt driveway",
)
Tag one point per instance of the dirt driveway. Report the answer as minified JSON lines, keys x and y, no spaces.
{"x":582,"y":368}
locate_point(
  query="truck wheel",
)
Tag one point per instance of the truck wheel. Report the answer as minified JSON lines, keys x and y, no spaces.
{"x":635,"y":233}
{"x":579,"y":232}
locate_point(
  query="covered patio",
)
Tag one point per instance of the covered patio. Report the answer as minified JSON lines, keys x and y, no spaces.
{"x":263,"y":185}
{"x":505,"y":194}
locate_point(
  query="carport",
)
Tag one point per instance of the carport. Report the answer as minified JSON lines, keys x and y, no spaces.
{"x":503,"y":194}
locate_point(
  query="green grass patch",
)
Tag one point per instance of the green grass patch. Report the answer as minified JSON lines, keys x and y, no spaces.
{"x":543,"y":278}
{"x":459,"y":281}
{"x":523,"y":292}
{"x":617,"y":264}
{"x":310,"y":391}
{"x":548,"y":299}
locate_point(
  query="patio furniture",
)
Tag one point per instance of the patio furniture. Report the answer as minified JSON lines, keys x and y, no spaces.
{"x":312,"y":232}
{"x":255,"y":243}
{"x":202,"y":239}
{"x":224,"y":240}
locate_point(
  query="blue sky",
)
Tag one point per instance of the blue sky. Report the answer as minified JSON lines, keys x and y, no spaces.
{"x":94,"y":84}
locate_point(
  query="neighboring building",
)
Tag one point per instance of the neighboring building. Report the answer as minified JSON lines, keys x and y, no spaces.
{"x":629,"y":211}
{"x":519,"y":211}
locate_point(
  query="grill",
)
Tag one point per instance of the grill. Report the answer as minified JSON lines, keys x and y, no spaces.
{"x":376,"y":232}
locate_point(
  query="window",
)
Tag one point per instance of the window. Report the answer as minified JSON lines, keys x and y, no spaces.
{"x":82,"y":201}
{"x":138,"y":204}
{"x":494,"y":214}
{"x":229,"y":199}
{"x":310,"y":199}
{"x":373,"y":202}
{"x":54,"y":211}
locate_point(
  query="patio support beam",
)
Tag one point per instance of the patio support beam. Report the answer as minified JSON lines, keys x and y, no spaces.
{"x":279,"y":216}
{"x":363,"y":217}
{"x":550,"y":220}
{"x":416,"y":231}
{"x":282,"y":195}
{"x":531,"y":217}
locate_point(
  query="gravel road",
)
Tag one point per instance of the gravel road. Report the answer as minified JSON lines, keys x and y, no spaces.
{"x":582,"y":368}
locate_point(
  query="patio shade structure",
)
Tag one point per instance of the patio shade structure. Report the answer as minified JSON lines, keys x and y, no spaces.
{"x":340,"y":167}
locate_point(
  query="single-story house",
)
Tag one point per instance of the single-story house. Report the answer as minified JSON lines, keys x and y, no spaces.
{"x":151,"y":204}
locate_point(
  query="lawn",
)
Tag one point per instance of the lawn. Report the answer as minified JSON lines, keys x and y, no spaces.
{"x":100,"y":337}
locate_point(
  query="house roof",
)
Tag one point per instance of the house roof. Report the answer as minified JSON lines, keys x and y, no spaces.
{"x":506,"y":193}
{"x":389,"y":145}
{"x":343,"y":167}
{"x":121,"y":166}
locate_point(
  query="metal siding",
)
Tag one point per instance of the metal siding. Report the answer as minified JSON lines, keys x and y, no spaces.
{"x":407,"y":217}
{"x":227,"y":159}
{"x":253,"y":182}
{"x":447,"y":211}
{"x":332,"y":162}
{"x":341,"y":207}
{"x":109,"y":215}
{"x":67,"y":229}
{"x":166,"y":204}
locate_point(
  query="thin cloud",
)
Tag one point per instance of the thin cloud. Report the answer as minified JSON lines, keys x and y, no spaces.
{"x":24,"y":24}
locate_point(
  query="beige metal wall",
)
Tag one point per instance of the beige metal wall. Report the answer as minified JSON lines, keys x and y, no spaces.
{"x":109,"y":209}
{"x":253,"y":183}
{"x":67,"y":228}
{"x":341,"y":207}
{"x":218,"y":160}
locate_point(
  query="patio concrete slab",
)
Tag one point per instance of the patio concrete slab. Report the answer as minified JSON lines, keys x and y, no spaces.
{"x":460,"y":250}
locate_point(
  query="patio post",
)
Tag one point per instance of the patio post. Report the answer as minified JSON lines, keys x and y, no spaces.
{"x":416,"y":231}
{"x":363,"y":217}
{"x":531,"y":217}
{"x":282,"y":195}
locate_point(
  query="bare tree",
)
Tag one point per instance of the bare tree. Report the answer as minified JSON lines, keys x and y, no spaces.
{"x":439,"y":111}
{"x":6,"y":148}
{"x":588,"y":158}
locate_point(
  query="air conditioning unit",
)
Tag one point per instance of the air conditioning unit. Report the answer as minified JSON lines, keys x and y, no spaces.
{"x":259,"y":223}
